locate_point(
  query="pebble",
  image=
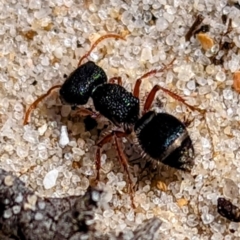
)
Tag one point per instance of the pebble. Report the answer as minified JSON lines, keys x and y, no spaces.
{"x":64,"y":139}
{"x":50,"y":178}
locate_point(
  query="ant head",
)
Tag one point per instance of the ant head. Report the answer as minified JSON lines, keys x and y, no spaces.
{"x":78,"y":87}
{"x":164,"y":138}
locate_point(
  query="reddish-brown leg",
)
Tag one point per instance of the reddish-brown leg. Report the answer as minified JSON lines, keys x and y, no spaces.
{"x":115,"y":135}
{"x":35,"y":103}
{"x":136,"y":89}
{"x":118,"y":79}
{"x":124,"y":162}
{"x":153,"y":92}
{"x":96,"y":43}
{"x":100,"y":144}
{"x":85,"y":112}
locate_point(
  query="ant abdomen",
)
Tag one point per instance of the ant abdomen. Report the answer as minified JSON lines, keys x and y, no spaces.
{"x":164,"y":138}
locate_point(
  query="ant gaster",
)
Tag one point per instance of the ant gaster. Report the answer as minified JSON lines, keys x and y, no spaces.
{"x":160,"y":136}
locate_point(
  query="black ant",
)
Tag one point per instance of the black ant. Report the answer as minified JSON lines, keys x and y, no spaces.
{"x":160,"y":136}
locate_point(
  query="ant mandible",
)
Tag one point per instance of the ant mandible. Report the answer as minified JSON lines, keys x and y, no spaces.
{"x":161,"y":136}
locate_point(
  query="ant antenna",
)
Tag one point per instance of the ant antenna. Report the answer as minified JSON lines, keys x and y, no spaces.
{"x":96,"y":43}
{"x":35,"y":103}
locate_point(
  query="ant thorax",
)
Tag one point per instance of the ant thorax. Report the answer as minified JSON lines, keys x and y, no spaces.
{"x":116,"y":104}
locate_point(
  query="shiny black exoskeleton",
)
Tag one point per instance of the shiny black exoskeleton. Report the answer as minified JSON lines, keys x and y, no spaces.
{"x":111,"y":100}
{"x":78,"y":87}
{"x":161,"y":137}
{"x":117,"y":104}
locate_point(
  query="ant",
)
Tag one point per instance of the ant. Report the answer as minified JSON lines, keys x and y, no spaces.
{"x":160,"y":136}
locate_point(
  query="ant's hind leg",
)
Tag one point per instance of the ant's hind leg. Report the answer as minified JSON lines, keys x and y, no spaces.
{"x":35,"y":103}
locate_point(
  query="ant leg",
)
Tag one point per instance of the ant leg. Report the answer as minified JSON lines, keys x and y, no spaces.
{"x":118,"y":79}
{"x":82,"y":111}
{"x":136,"y":90}
{"x":156,"y":88}
{"x":100,"y":144}
{"x":35,"y":103}
{"x":96,"y":43}
{"x":124,"y":162}
{"x":116,"y":135}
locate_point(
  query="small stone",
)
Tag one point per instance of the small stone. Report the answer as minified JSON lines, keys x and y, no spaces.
{"x":230,"y":188}
{"x":207,"y":218}
{"x":41,"y":205}
{"x":162,"y":186}
{"x":42,"y":129}
{"x":16,"y":209}
{"x":38,"y":216}
{"x":8,"y":181}
{"x":19,"y":198}
{"x":182,"y":202}
{"x":65,"y":110}
{"x":7,"y":213}
{"x":31,"y":204}
{"x":146,"y":54}
{"x":220,"y":76}
{"x":50,"y":178}
{"x":58,"y":52}
{"x":236,"y":81}
{"x":227,"y":94}
{"x":161,"y":24}
{"x":228,"y":210}
{"x":206,"y":41}
{"x":64,"y":139}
